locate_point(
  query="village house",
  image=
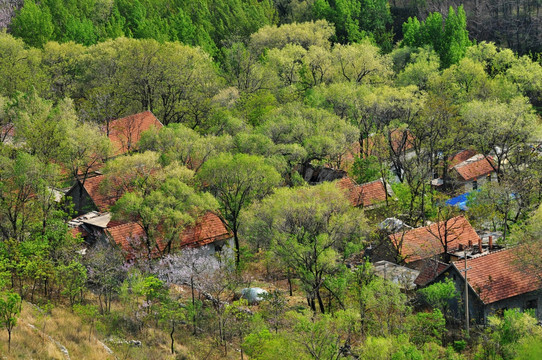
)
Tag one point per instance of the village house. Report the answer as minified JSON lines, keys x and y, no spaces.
{"x":437,"y":241}
{"x":497,"y":281}
{"x":125,"y":132}
{"x":208,"y":233}
{"x":91,"y":196}
{"x":369,"y":195}
{"x":467,"y":171}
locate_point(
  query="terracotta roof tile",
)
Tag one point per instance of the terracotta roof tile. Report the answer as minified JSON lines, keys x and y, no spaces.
{"x":363,"y":195}
{"x":125,"y":133}
{"x":460,"y":157}
{"x":474,"y":167}
{"x":102,"y":200}
{"x":498,"y":275}
{"x":423,"y":242}
{"x":206,"y":231}
{"x":430,"y":270}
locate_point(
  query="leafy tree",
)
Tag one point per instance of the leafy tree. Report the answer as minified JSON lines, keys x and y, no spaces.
{"x":322,"y":135}
{"x":427,"y":327}
{"x":504,"y":334}
{"x":500,"y":129}
{"x":312,"y":232}
{"x":33,"y":24}
{"x":172,"y":313}
{"x":448,"y":38}
{"x":439,"y":294}
{"x":74,"y":277}
{"x":106,"y":273}
{"x":176,"y":142}
{"x":355,"y":19}
{"x":89,"y":313}
{"x":366,"y":169}
{"x":236,"y":181}
{"x":20,"y":68}
{"x":40,"y":126}
{"x":10,"y":307}
{"x":159,"y":199}
{"x":361,"y":62}
{"x":305,"y":35}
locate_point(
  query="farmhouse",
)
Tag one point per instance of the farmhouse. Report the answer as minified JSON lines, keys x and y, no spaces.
{"x":497,"y":281}
{"x":368,"y":195}
{"x":125,"y":132}
{"x":438,"y":240}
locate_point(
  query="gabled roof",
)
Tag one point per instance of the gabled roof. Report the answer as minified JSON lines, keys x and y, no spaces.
{"x":474,"y":167}
{"x":363,"y":195}
{"x":460,"y":157}
{"x":425,"y":242}
{"x":498,"y":275}
{"x":102,"y":199}
{"x":125,"y":132}
{"x":429,"y":271}
{"x":207,"y":230}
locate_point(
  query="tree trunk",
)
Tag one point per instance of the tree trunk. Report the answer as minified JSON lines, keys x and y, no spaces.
{"x":320,"y":302}
{"x":171,"y":335}
{"x":194,"y":318}
{"x":237,"y":254}
{"x":290,"y":282}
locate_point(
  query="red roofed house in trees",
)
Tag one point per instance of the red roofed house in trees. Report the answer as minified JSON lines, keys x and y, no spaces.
{"x":209,"y":233}
{"x":433,"y":241}
{"x":368,"y":195}
{"x":497,"y":281}
{"x":94,"y":197}
{"x":468,"y":170}
{"x":125,"y":133}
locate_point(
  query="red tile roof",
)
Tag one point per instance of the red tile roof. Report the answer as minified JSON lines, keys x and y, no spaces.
{"x":474,"y":167}
{"x":460,"y":157}
{"x":363,"y":195}
{"x":102,"y":199}
{"x":125,"y":133}
{"x":498,"y":275}
{"x":422,"y":243}
{"x":206,"y":231}
{"x":430,"y":270}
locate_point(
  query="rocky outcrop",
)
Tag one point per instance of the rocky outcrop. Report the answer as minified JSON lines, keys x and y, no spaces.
{"x":7,"y":11}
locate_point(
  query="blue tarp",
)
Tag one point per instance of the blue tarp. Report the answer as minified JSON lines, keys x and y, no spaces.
{"x":459,"y":201}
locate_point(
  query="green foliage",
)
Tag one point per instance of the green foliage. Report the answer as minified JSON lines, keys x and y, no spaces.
{"x":236,"y":181}
{"x":448,"y":38}
{"x":74,"y":277}
{"x":10,"y":307}
{"x":506,"y":334}
{"x":427,"y":327}
{"x":355,"y":19}
{"x":439,"y":294}
{"x":88,"y":22}
{"x":366,"y":169}
{"x":33,"y":24}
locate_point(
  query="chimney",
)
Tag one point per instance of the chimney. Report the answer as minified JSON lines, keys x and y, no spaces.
{"x":490,"y":243}
{"x":470,"y":243}
{"x":480,"y":244}
{"x":460,"y":247}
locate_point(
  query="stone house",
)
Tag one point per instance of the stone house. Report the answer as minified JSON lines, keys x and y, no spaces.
{"x":497,"y":282}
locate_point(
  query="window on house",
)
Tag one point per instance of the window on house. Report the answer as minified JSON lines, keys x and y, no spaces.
{"x":475,"y":184}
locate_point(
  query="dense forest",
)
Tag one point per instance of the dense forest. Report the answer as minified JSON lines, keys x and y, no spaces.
{"x":215,"y":24}
{"x":256,"y":99}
